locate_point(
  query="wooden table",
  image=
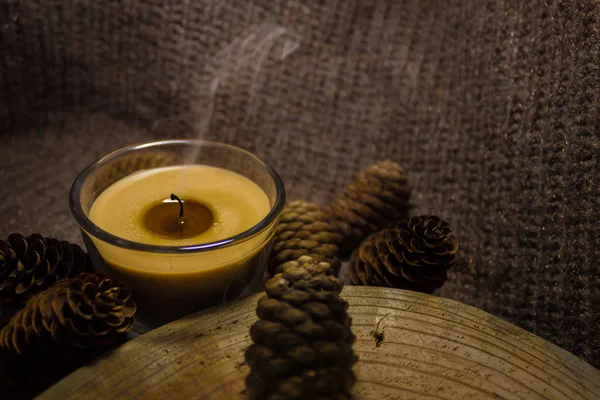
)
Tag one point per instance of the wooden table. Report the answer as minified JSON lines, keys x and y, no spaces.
{"x":432,"y":348}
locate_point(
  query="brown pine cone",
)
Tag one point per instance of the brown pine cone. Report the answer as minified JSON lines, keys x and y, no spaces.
{"x":29,"y":265}
{"x":130,"y":164}
{"x":414,"y":254}
{"x":378,"y":196}
{"x":63,"y":328}
{"x":89,"y":311}
{"x":305,"y":230}
{"x":302,"y":341}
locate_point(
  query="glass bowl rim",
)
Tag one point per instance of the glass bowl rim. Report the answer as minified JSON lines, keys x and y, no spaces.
{"x":92,"y":229}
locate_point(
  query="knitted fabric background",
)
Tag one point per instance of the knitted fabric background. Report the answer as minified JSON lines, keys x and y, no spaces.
{"x":491,"y":106}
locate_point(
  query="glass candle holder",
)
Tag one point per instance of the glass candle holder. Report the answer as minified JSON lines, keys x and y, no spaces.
{"x":173,"y":280}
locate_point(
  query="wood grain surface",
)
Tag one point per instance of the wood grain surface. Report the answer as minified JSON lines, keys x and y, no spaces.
{"x":432,"y":348}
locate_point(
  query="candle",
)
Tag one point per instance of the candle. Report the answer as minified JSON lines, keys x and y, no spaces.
{"x":180,"y":206}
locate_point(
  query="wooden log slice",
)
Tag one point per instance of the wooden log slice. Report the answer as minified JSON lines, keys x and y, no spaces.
{"x":410,"y":345}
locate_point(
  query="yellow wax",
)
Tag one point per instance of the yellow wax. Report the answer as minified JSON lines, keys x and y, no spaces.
{"x":165,"y":285}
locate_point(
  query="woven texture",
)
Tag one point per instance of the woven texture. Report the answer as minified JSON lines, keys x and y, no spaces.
{"x":492,"y":107}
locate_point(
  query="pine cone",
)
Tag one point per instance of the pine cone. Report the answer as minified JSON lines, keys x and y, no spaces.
{"x":414,"y":254}
{"x":29,"y":265}
{"x":89,"y":311}
{"x":302,"y":341}
{"x":305,"y":230}
{"x":130,"y":164}
{"x":379,"y":196}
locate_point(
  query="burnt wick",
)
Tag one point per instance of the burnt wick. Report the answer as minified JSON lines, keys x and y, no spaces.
{"x":174,"y":197}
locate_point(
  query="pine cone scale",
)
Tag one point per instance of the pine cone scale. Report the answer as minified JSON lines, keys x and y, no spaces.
{"x":99,"y":327}
{"x":5,"y":284}
{"x":124,"y":326}
{"x":24,"y":285}
{"x":44,"y":305}
{"x":62,"y":270}
{"x":30,"y":259}
{"x":17,"y":243}
{"x":61,"y":312}
{"x":36,"y":320}
{"x":19,"y":339}
{"x":41,"y":271}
